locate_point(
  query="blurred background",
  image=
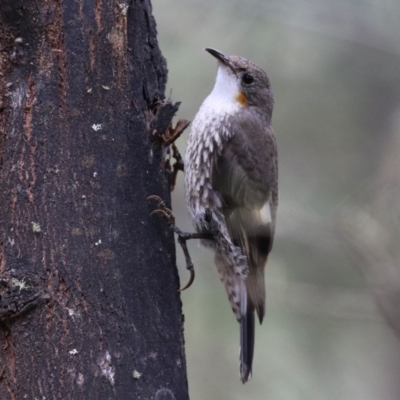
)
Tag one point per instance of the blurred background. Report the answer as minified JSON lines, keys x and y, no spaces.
{"x":332,"y":327}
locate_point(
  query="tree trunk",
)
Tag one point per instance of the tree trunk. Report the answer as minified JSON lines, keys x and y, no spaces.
{"x":89,"y":301}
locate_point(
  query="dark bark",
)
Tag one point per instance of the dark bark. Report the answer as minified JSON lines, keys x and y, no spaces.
{"x":89,"y":301}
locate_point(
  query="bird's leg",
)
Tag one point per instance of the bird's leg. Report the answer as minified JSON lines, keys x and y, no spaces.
{"x":168,"y":138}
{"x":177,"y":166}
{"x":172,"y":133}
{"x":183,"y":237}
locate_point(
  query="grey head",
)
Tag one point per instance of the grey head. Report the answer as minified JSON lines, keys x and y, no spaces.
{"x":247,"y":82}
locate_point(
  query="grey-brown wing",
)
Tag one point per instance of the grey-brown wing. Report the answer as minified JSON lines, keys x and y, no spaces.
{"x":246,"y":176}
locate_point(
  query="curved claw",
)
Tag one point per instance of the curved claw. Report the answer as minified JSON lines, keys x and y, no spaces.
{"x":155,"y":197}
{"x":158,"y":211}
{"x":163,"y":210}
{"x":187,"y":286}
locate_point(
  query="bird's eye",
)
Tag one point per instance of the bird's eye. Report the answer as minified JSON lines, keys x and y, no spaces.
{"x":247,"y":79}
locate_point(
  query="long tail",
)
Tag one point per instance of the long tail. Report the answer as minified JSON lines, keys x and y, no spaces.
{"x":247,"y":329}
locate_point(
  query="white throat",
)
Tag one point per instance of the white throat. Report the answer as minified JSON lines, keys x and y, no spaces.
{"x":223,"y":96}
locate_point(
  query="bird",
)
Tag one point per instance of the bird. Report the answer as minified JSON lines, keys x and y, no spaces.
{"x":231,"y":187}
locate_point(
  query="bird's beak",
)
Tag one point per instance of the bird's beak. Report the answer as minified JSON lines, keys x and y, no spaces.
{"x":222,"y":58}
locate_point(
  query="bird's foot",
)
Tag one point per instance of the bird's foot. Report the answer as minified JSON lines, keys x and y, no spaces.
{"x":168,"y":138}
{"x":182,"y":236}
{"x":163,"y":210}
{"x":177,"y":166}
{"x":173,"y":133}
{"x":159,"y":125}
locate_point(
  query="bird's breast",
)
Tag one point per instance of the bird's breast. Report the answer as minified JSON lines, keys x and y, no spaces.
{"x":210,"y":131}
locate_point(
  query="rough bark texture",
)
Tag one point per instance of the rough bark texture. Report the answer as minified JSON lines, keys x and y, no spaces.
{"x":89,"y":301}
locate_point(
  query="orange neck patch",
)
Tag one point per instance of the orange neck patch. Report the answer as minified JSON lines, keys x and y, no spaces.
{"x":241,"y":98}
